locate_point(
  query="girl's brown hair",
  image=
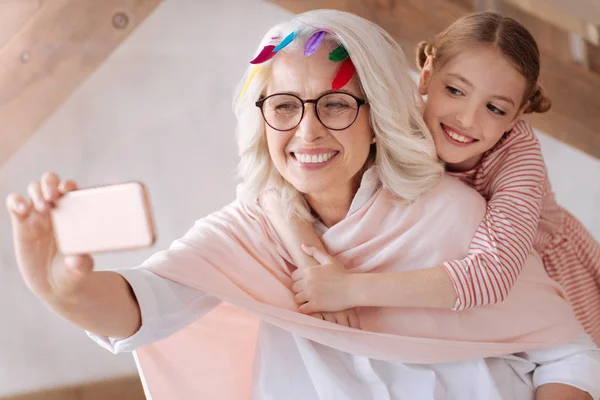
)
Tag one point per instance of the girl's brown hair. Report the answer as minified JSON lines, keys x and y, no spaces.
{"x":486,"y":28}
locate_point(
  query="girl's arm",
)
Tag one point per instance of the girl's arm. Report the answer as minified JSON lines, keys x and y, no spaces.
{"x":293,"y":234}
{"x":496,"y":255}
{"x":514,"y":179}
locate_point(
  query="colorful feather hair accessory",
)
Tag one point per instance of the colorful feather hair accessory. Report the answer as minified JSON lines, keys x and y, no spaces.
{"x":271,"y":49}
{"x":265,"y":55}
{"x":288,"y":39}
{"x":344,"y":74}
{"x":312,"y":44}
{"x":339,"y":54}
{"x":248,"y":80}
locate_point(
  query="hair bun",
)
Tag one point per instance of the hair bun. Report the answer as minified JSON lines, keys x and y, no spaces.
{"x":538,"y":102}
{"x":424,"y":50}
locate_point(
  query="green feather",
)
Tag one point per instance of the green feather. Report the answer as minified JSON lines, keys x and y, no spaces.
{"x":339,"y":54}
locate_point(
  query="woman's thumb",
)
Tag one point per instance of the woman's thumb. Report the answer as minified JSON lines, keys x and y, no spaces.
{"x":78,"y":267}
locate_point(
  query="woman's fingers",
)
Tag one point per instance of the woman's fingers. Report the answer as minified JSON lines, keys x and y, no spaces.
{"x":341,"y":318}
{"x":35,"y":193}
{"x":67,"y":186}
{"x":18,"y":207}
{"x":43,"y":194}
{"x":347,"y":318}
{"x":76,"y":268}
{"x":81,"y":264}
{"x":318,"y":316}
{"x":329,"y":317}
{"x":353,"y":319}
{"x":49,"y":184}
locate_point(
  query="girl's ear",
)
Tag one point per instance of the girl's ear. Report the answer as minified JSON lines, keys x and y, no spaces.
{"x":425,"y":78}
{"x":518,"y":116}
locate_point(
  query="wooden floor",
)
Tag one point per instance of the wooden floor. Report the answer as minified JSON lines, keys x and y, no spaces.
{"x":129,"y":388}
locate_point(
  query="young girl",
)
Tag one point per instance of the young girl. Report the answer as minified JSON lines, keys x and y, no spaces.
{"x":479,"y":75}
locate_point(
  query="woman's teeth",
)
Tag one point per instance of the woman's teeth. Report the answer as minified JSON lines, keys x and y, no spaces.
{"x":314,"y":158}
{"x":457,"y":137}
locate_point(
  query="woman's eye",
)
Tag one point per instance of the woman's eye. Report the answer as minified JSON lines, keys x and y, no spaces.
{"x":454,"y":91}
{"x":336,"y":105}
{"x":495,"y":109}
{"x":286,"y":107}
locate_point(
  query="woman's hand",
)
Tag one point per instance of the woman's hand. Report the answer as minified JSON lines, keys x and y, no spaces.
{"x":347,"y":317}
{"x":327,"y":287}
{"x":45,"y":272}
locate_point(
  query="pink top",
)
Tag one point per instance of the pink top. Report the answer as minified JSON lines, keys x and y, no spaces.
{"x":235,"y":256}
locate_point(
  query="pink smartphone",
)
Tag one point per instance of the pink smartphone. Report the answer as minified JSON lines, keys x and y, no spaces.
{"x":105,"y":218}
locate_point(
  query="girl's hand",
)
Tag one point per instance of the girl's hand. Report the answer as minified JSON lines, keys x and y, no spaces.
{"x":323,"y":288}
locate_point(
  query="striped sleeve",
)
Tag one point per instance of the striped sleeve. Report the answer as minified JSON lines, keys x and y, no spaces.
{"x":513,"y":178}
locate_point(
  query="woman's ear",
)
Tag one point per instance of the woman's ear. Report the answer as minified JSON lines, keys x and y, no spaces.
{"x":425,"y":77}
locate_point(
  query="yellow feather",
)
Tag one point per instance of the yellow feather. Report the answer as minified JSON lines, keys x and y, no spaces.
{"x":250,"y":77}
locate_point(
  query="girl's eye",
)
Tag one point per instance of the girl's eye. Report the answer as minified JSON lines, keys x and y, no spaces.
{"x":495,"y":109}
{"x":454,"y":91}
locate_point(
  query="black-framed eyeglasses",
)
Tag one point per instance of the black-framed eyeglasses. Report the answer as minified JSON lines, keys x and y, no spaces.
{"x":335,"y":110}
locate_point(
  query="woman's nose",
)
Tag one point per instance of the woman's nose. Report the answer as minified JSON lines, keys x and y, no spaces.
{"x":310,"y":128}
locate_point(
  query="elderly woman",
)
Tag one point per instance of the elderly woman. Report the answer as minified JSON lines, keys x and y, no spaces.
{"x":328,"y":121}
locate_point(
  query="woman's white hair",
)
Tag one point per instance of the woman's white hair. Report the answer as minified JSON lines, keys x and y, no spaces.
{"x":404,"y":153}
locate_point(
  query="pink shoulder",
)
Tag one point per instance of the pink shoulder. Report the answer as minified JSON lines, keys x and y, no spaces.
{"x":452,"y":196}
{"x":523,"y":132}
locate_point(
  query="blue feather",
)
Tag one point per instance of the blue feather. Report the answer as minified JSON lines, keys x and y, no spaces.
{"x":288,"y":39}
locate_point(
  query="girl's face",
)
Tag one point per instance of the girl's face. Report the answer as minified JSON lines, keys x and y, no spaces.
{"x":471,"y":102}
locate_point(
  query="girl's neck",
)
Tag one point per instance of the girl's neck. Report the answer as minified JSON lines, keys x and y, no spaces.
{"x":465,"y":165}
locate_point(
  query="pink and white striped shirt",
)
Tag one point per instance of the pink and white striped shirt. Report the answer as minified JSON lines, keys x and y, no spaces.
{"x":521,"y":214}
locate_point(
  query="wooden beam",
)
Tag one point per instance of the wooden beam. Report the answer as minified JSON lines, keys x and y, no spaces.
{"x":585,"y":10}
{"x":575,"y":115}
{"x":48,"y":48}
{"x":409,"y":21}
{"x":593,"y":57}
{"x":15,"y":13}
{"x":549,"y":38}
{"x":559,"y":18}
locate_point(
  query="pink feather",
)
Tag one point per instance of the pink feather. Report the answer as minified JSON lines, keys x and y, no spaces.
{"x":265,"y":55}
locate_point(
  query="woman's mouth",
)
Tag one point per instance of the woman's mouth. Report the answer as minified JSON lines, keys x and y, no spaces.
{"x":457,"y":137}
{"x":313,"y":159}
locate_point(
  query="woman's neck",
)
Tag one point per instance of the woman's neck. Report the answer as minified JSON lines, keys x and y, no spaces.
{"x":332,"y":206}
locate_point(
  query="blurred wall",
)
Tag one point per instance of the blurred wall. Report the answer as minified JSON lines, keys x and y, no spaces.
{"x":158,"y":110}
